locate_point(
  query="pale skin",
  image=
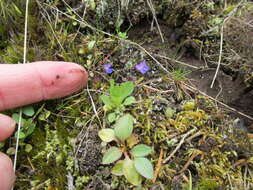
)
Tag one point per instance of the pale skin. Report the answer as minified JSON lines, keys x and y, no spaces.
{"x":29,"y":83}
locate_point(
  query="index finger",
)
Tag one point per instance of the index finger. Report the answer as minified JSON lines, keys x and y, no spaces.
{"x":22,"y":84}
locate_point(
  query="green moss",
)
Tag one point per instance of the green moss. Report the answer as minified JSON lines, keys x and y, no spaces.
{"x":62,"y":124}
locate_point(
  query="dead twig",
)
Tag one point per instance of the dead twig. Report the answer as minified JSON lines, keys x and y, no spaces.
{"x":70,"y":180}
{"x":94,"y":106}
{"x":221,"y":103}
{"x":151,"y":6}
{"x":199,"y":133}
{"x":157,"y":90}
{"x":194,"y":155}
{"x":179,"y":145}
{"x":221,"y":40}
{"x":158,"y":165}
{"x":176,"y":61}
{"x":220,"y":54}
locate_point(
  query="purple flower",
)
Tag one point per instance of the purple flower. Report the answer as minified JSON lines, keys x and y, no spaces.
{"x":142,"y":67}
{"x":108,"y":68}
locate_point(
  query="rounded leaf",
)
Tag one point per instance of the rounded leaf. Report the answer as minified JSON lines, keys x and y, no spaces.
{"x":144,"y":167}
{"x":129,"y":100}
{"x":111,"y":117}
{"x":28,"y":111}
{"x":118,"y":168}
{"x":111,"y":155}
{"x":130,"y":172}
{"x":28,"y":148}
{"x":141,"y":150}
{"x":106,"y":135}
{"x":124,"y":127}
{"x":22,"y":135}
{"x":106,"y":100}
{"x":91,"y":44}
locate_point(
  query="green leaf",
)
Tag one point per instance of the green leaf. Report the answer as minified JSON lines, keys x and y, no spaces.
{"x":2,"y":144}
{"x":141,"y":150}
{"x":124,"y":127}
{"x":144,"y":167}
{"x":122,"y":35}
{"x":30,"y":129}
{"x":91,"y":45}
{"x":16,"y":9}
{"x":129,"y":100}
{"x":106,"y":135}
{"x":28,"y":148}
{"x":106,"y":100}
{"x":119,"y":92}
{"x":118,"y":168}
{"x":169,"y":112}
{"x":22,"y":135}
{"x":115,"y":94}
{"x":130,"y":172}
{"x":44,"y":115}
{"x":15,"y":117}
{"x":111,"y":117}
{"x":127,"y":89}
{"x":11,"y":151}
{"x":111,"y":155}
{"x":28,"y":111}
{"x":190,"y":180}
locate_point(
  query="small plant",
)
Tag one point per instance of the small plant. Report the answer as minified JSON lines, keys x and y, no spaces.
{"x":122,"y":35}
{"x":135,"y":164}
{"x":179,"y":75}
{"x":119,"y":97}
{"x":27,"y":123}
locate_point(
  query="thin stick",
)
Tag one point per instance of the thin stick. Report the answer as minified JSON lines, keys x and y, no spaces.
{"x":221,"y":103}
{"x":220,"y":55}
{"x":48,"y":21}
{"x":158,"y":166}
{"x":194,"y":155}
{"x":176,"y":61}
{"x":17,"y":142}
{"x":179,"y":145}
{"x":25,"y":37}
{"x":20,"y":111}
{"x":149,"y":2}
{"x":93,"y":106}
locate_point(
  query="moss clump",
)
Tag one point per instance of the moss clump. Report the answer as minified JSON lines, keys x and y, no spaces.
{"x":65,"y":146}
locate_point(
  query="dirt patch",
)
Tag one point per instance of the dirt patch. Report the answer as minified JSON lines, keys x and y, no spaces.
{"x":89,"y":151}
{"x":228,"y":88}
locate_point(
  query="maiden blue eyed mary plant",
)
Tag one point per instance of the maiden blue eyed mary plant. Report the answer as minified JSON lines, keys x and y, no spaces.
{"x":134,"y":163}
{"x":119,"y":97}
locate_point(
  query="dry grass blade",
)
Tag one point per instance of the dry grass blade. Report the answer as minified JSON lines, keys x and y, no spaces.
{"x":221,"y":103}
{"x":47,"y":18}
{"x":158,"y":166}
{"x":94,"y":106}
{"x":24,"y":61}
{"x":176,"y":61}
{"x":220,"y":54}
{"x":179,"y":145}
{"x":151,"y":6}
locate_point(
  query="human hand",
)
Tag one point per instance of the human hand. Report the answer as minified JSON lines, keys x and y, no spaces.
{"x":22,"y":84}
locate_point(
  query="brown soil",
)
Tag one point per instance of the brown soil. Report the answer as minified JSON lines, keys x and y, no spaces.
{"x":227,"y":88}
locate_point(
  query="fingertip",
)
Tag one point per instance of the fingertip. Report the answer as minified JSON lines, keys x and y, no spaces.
{"x":7,"y":175}
{"x":60,"y":79}
{"x":22,"y":84}
{"x":7,"y":126}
